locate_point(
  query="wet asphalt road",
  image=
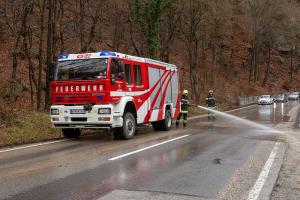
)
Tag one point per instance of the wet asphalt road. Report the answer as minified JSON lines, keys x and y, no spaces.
{"x":214,"y":160}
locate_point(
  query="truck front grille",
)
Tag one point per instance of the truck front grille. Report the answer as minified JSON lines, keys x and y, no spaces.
{"x":73,"y":99}
{"x":78,"y":119}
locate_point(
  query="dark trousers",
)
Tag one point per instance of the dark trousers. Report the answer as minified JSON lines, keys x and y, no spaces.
{"x":184,"y":115}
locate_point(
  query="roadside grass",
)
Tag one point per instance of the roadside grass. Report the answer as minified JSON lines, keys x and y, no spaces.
{"x":28,"y":128}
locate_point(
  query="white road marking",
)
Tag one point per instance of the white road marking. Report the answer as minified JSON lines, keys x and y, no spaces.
{"x":146,"y":148}
{"x":32,"y":145}
{"x":256,"y":189}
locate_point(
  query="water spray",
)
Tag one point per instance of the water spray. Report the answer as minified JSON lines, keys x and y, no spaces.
{"x":242,"y":120}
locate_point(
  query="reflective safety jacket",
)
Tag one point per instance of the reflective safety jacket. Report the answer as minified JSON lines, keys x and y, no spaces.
{"x":210,"y":101}
{"x":184,"y":105}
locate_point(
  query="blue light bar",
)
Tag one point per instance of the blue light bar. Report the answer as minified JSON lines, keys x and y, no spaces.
{"x":63,"y":56}
{"x":108,"y":53}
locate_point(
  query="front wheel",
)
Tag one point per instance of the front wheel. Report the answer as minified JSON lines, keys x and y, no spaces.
{"x":71,"y":132}
{"x":129,"y":126}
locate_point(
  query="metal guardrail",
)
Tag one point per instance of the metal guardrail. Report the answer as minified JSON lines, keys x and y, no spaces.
{"x":243,"y":101}
{"x":247,"y":100}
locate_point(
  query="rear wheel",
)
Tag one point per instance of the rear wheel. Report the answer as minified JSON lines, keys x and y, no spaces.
{"x":71,"y":132}
{"x":156,"y":126}
{"x":167,"y":122}
{"x":163,"y":125}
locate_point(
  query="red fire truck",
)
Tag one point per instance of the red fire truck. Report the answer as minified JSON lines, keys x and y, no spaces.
{"x":109,"y":90}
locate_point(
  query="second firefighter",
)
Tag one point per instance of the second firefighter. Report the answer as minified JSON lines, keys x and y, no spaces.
{"x":183,"y":109}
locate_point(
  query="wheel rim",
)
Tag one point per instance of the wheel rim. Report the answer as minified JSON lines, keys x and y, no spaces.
{"x":129,"y":127}
{"x":169,"y":123}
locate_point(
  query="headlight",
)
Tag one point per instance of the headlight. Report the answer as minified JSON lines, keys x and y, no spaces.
{"x":54,"y":112}
{"x":104,"y":111}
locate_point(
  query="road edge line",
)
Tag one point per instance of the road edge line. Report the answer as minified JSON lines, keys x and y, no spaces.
{"x":274,"y":174}
{"x":264,"y":185}
{"x":31,"y":145}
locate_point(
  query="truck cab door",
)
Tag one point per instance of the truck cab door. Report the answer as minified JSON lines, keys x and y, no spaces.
{"x":129,"y":87}
{"x":117,"y":78}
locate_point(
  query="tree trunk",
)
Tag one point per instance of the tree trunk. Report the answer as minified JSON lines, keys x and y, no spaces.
{"x":268,"y":69}
{"x":256,"y":64}
{"x":81,"y":25}
{"x":27,"y":42}
{"x":133,"y":41}
{"x":291,"y":67}
{"x":30,"y":75}
{"x":214,"y":64}
{"x":191,"y":72}
{"x":14,"y":61}
{"x":49,"y":52}
{"x":41,"y":48}
{"x":17,"y":41}
{"x":251,"y":66}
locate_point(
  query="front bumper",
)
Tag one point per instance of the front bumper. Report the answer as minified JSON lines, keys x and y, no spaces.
{"x":88,"y":119}
{"x":264,"y":103}
{"x":279,"y":100}
{"x":293,"y":99}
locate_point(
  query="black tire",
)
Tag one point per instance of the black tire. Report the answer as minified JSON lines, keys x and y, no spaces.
{"x":117,"y":133}
{"x":71,"y":132}
{"x":129,"y":126}
{"x":156,"y":126}
{"x":167,"y":122}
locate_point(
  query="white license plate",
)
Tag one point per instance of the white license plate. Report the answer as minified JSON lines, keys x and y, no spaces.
{"x":77,"y":111}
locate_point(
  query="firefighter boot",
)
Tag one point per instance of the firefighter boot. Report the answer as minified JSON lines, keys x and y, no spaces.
{"x":184,"y":123}
{"x":178,"y":120}
{"x":184,"y":120}
{"x":177,"y":123}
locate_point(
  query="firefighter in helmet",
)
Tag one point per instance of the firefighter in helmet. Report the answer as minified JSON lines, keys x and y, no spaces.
{"x":211,"y":103}
{"x":184,"y":105}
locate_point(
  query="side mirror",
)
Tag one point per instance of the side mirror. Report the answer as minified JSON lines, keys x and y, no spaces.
{"x":113,"y":79}
{"x":120,"y":75}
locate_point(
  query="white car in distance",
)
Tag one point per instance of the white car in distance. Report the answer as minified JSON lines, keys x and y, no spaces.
{"x":265,"y":100}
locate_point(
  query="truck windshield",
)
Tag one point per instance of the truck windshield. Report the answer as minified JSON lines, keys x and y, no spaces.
{"x":88,"y":69}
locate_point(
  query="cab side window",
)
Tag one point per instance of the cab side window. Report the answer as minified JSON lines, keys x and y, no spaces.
{"x":137,"y":75}
{"x":116,"y":69}
{"x":128,"y":74}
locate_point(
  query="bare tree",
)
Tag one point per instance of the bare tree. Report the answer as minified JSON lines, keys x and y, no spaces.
{"x":27,"y":45}
{"x":170,"y":27}
{"x":41,"y":4}
{"x":218,"y":16}
{"x":147,"y":14}
{"x":193,"y":29}
{"x":15,"y":15}
{"x":260,"y":16}
{"x":88,"y":17}
{"x":50,"y":49}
